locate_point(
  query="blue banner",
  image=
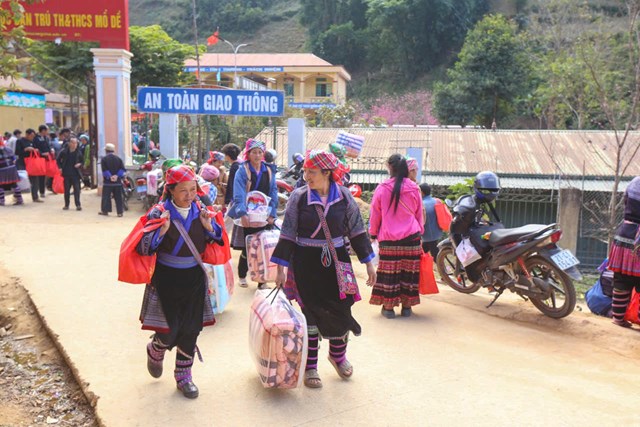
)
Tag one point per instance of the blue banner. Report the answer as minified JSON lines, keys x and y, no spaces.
{"x":210,"y":101}
{"x":232,"y":69}
{"x":24,"y":100}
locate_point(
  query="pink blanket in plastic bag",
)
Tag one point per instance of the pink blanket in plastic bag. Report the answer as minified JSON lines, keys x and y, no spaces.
{"x":277,"y":340}
{"x":260,"y":247}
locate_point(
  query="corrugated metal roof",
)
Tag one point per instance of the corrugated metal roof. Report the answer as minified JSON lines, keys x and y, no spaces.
{"x":22,"y":85}
{"x":505,"y":182}
{"x":515,"y":152}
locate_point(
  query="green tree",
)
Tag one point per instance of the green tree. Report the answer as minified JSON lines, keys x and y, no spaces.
{"x":414,"y":35}
{"x":492,"y":72}
{"x":158,"y":60}
{"x":11,"y":12}
{"x":66,"y":67}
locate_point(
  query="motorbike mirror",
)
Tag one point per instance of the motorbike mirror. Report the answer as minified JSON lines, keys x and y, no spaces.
{"x":448,"y":202}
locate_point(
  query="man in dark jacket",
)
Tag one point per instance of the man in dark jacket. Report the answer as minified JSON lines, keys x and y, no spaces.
{"x":112,"y":170}
{"x":24,"y":147}
{"x":43,"y":144}
{"x":70,"y":162}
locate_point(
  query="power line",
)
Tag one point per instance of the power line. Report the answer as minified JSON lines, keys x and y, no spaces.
{"x":45,"y":66}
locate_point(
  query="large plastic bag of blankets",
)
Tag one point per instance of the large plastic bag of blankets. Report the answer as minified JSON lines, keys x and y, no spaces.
{"x":220,"y":287}
{"x":260,"y":247}
{"x":277,"y":340}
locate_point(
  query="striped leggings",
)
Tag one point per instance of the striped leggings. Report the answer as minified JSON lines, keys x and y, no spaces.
{"x":622,"y":286}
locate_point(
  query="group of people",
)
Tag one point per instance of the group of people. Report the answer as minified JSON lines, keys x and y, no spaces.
{"x":68,"y":152}
{"x":322,"y":223}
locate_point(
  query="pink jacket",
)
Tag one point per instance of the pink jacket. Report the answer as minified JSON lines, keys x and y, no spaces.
{"x":387,"y":224}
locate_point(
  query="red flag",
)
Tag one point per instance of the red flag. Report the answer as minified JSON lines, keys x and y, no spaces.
{"x":213,"y":39}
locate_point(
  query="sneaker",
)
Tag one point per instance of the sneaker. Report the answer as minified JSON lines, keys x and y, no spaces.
{"x":243,"y":282}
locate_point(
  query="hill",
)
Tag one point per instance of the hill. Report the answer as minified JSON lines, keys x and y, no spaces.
{"x":276,"y":28}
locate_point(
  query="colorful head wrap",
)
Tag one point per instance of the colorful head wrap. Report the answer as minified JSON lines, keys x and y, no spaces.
{"x":169,"y":163}
{"x":180,"y":173}
{"x":318,"y":159}
{"x":209,"y":172}
{"x":251,"y":144}
{"x":412,"y":164}
{"x":215,"y":156}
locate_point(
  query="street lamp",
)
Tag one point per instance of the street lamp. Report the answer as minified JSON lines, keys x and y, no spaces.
{"x":235,"y":60}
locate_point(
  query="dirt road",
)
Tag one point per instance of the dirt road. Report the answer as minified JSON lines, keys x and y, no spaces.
{"x":453,"y":363}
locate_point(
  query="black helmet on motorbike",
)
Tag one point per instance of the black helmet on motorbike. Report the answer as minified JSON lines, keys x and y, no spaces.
{"x":486,"y":185}
{"x":270,"y":155}
{"x":297,"y":158}
{"x":155,"y":154}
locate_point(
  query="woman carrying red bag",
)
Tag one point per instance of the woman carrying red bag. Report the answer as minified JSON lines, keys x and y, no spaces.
{"x":176,"y":304}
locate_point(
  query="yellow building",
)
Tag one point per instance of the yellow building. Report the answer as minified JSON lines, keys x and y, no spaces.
{"x":62,"y":112}
{"x":22,"y":106}
{"x":306,"y":80}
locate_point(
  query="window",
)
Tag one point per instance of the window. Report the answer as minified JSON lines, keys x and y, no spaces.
{"x":288,"y":89}
{"x":321,"y":86}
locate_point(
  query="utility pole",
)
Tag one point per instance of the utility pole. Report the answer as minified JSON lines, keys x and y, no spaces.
{"x":195,"y":31}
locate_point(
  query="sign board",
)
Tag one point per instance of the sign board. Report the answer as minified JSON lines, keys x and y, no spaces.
{"x":175,"y":100}
{"x":23,"y":100}
{"x":104,"y":21}
{"x":236,"y":69}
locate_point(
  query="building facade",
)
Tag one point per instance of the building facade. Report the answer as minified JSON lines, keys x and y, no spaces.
{"x":306,"y":80}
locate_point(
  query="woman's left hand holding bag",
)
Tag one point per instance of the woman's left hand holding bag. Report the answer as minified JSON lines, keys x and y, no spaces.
{"x":165,"y":226}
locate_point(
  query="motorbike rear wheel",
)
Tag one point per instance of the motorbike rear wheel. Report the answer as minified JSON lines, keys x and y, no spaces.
{"x":452,"y":272}
{"x":562,"y":294}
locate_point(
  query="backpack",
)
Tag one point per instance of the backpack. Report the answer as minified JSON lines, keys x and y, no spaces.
{"x":443,"y":215}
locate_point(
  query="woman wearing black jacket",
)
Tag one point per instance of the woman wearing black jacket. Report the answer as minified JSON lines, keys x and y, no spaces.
{"x":70,"y":161}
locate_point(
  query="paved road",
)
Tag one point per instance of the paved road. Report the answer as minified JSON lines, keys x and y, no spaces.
{"x":453,"y":363}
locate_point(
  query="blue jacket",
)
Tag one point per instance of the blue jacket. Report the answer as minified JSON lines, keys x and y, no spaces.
{"x":432,"y":231}
{"x":239,"y":207}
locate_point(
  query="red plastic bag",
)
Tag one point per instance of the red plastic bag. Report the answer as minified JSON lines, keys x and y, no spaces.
{"x":427,"y":278}
{"x":133,"y":267}
{"x":443,"y":215}
{"x":214,"y":253}
{"x":58,"y":183}
{"x":35,"y":164}
{"x":632,"y":310}
{"x":51,"y":168}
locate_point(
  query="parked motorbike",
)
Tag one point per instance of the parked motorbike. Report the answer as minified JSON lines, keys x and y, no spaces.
{"x":525,"y":260}
{"x":127,"y":191}
{"x":286,"y":180}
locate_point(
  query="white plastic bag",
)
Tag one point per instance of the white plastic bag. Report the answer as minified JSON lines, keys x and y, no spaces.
{"x":24,"y":184}
{"x":376,"y":251}
{"x":278,"y":340}
{"x":467,"y":253}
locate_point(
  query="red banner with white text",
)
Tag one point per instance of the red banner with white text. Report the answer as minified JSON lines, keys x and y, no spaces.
{"x":103,"y":21}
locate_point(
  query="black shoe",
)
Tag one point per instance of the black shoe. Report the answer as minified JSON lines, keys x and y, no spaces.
{"x":154,"y":368}
{"x":103,"y":213}
{"x":78,"y":208}
{"x":38,"y":201}
{"x":189,"y":390}
{"x":65,"y":208}
{"x":119,"y":215}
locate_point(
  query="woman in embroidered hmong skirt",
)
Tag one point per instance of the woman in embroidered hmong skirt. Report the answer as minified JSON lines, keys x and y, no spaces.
{"x":397,"y":222}
{"x":624,"y":257}
{"x":176,"y":304}
{"x":303,"y":248}
{"x":9,"y":176}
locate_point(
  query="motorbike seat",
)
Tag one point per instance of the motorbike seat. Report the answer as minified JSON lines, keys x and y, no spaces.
{"x":509,"y":235}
